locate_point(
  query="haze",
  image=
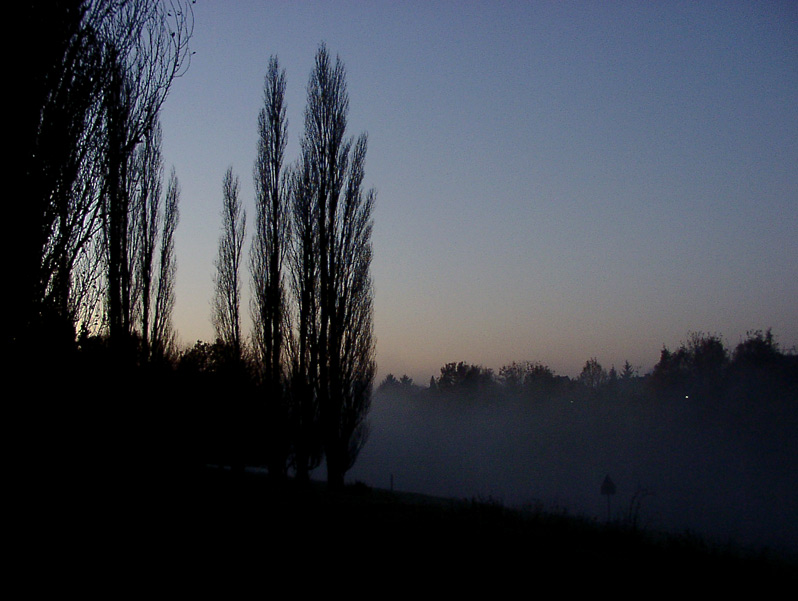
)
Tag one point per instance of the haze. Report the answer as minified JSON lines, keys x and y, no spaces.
{"x":722,"y":471}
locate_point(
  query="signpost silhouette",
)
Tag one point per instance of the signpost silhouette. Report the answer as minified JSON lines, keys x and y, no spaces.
{"x":608,"y":489}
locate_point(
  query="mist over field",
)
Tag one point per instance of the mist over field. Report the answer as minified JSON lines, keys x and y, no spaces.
{"x":724,"y":472}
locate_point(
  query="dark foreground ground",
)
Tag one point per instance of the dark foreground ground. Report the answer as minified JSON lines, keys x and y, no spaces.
{"x":224,"y":534}
{"x":240,"y":520}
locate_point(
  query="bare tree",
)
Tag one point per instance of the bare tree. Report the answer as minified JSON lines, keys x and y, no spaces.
{"x":304,"y":270}
{"x":342,"y":214}
{"x":271,"y":226}
{"x":147,"y":205}
{"x":227,"y":299}
{"x":593,"y":375}
{"x":268,"y":253}
{"x":354,"y":315}
{"x":146,"y":49}
{"x":162,"y":337}
{"x":98,"y":79}
{"x":61,"y":125}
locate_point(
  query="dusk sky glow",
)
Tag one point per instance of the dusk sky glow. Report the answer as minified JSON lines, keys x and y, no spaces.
{"x":555,"y":180}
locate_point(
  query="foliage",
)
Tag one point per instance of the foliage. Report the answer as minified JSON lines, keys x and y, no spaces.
{"x":528,"y":379}
{"x":463,"y":377}
{"x":760,"y":371}
{"x":696,"y":368}
{"x":593,"y":375}
{"x":403,"y":386}
{"x":758,"y":350}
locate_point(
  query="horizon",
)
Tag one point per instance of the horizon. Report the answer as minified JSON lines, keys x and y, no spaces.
{"x":554,"y":182}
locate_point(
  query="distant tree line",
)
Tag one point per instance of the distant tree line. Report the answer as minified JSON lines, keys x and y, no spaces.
{"x":702,"y":369}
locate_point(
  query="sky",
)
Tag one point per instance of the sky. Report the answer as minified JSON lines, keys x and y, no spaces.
{"x":555,"y":180}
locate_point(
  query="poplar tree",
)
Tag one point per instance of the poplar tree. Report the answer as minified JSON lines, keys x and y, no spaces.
{"x":227,"y":281}
{"x":269,"y":249}
{"x":342,"y":218}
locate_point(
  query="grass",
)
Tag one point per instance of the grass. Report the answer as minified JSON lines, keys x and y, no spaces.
{"x":241,"y":518}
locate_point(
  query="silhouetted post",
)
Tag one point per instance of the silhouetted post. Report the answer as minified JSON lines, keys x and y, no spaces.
{"x":608,"y":489}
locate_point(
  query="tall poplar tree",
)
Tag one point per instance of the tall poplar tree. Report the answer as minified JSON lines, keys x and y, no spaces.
{"x":227,"y":281}
{"x":342,"y":213}
{"x":269,"y":248}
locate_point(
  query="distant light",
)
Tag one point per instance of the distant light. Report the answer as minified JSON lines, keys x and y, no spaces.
{"x":687,"y":396}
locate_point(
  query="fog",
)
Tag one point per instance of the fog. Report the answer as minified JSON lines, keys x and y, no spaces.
{"x":726,"y":473}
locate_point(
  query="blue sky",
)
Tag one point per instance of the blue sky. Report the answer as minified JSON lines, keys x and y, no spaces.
{"x":555,"y":180}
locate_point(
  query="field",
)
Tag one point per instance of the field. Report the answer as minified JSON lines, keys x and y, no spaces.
{"x":240,"y":517}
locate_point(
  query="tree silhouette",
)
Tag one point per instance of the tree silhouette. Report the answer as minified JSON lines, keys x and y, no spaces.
{"x":464,"y":377}
{"x":146,"y":50}
{"x":593,"y":375}
{"x":389,"y":382}
{"x":304,"y":277}
{"x":227,"y":284}
{"x":162,"y":337}
{"x":341,"y":213}
{"x":91,"y":93}
{"x":269,"y":249}
{"x":760,"y":371}
{"x":147,"y":209}
{"x":271,"y":227}
{"x":532,"y":379}
{"x":697,"y":368}
{"x":93,"y":90}
{"x":62,"y":132}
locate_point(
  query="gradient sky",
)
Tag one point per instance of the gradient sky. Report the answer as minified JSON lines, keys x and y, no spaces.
{"x":555,"y":180}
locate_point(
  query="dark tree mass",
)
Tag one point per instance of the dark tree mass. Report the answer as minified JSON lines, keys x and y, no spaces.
{"x":91,"y":166}
{"x":96,"y":268}
{"x":92,"y":285}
